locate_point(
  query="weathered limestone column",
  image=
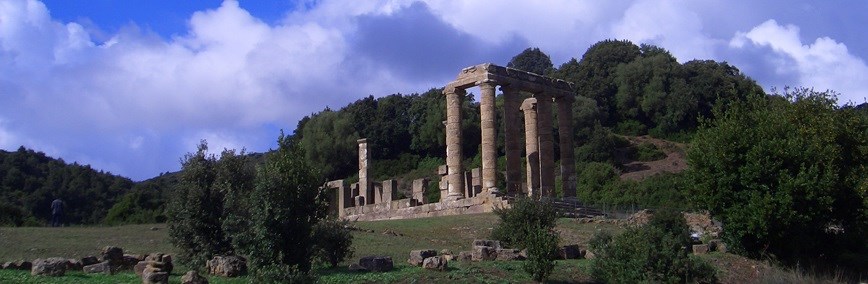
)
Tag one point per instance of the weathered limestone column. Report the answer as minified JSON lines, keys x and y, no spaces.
{"x":512,"y":141}
{"x":529,"y":107}
{"x":366,"y":189}
{"x":565,"y":133}
{"x":489,"y":137}
{"x":454,"y":156}
{"x":546,"y":144}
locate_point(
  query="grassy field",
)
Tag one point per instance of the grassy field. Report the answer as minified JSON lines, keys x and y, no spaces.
{"x":392,"y":238}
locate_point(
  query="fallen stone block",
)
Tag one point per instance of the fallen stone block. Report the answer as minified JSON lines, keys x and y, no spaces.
{"x":418,"y":256}
{"x":102,"y":267}
{"x":465,"y":256}
{"x":54,"y":266}
{"x":570,"y":252}
{"x":154,"y":276}
{"x":88,"y":260}
{"x":193,"y":277}
{"x":509,"y":255}
{"x":716,"y":245}
{"x":355,"y":267}
{"x":435,"y":263}
{"x":73,"y":264}
{"x":227,"y":266}
{"x":483,"y":253}
{"x":377,"y":263}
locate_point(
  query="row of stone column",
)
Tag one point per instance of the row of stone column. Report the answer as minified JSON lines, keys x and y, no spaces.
{"x":538,"y":135}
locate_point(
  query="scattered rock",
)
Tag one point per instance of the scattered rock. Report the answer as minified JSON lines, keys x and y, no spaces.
{"x":418,"y":256}
{"x":139,"y":268}
{"x":73,"y":264}
{"x":716,"y":245}
{"x":509,"y":254}
{"x":54,"y":266}
{"x":114,"y":255}
{"x":465,"y":256}
{"x":392,"y":233}
{"x":487,"y":243}
{"x":447,"y":254}
{"x":88,"y":260}
{"x":227,"y":266}
{"x":166,"y":259}
{"x":481,"y":253}
{"x":102,"y":267}
{"x":193,"y":277}
{"x":700,"y":249}
{"x":153,"y":275}
{"x":570,"y":252}
{"x":377,"y":263}
{"x":590,"y":254}
{"x":435,"y":263}
{"x":154,"y":229}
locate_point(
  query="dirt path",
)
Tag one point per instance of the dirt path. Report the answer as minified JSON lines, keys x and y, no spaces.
{"x":675,"y":161}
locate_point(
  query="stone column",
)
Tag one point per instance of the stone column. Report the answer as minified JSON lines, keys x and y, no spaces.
{"x":531,"y":145}
{"x":546,"y":144}
{"x":454,"y":156}
{"x":565,"y":131}
{"x":366,"y":189}
{"x":489,"y":137}
{"x":512,"y":141}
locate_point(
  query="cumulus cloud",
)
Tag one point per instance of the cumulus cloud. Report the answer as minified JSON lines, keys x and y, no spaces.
{"x":823,"y":64}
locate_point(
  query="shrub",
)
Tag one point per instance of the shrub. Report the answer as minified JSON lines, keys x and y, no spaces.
{"x":524,"y":218}
{"x":656,"y":252}
{"x":286,"y":203}
{"x":281,"y":273}
{"x":542,"y":250}
{"x":647,"y":152}
{"x":333,"y":241}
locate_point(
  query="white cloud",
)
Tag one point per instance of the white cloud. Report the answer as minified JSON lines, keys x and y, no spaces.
{"x":667,"y":24}
{"x":823,"y":64}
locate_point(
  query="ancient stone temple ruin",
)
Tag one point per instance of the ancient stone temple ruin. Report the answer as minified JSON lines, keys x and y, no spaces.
{"x":476,"y":191}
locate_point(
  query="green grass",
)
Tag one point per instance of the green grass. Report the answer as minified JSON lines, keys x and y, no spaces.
{"x":455,"y":233}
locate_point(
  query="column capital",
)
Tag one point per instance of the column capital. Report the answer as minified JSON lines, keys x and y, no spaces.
{"x":528,"y":104}
{"x":453,"y":90}
{"x":487,"y":83}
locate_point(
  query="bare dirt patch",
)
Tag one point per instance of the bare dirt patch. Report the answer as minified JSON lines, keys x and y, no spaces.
{"x":674,"y":162}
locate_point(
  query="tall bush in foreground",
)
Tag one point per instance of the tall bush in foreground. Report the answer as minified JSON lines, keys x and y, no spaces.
{"x":286,"y":203}
{"x":529,"y":224}
{"x":334,"y":241}
{"x":788,"y":177}
{"x":195,"y":209}
{"x":655,"y":253}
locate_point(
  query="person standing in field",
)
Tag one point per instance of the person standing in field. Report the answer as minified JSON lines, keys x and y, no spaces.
{"x":56,"y":212}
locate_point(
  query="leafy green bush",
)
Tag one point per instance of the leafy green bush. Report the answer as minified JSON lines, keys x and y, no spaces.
{"x":656,"y":252}
{"x":286,"y":203}
{"x":542,"y":250}
{"x":333,"y":241}
{"x":646,"y":152}
{"x":787,"y":177}
{"x":518,"y":223}
{"x":281,"y":273}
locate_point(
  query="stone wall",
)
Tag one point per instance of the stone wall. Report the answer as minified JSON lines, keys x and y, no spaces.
{"x":402,"y":209}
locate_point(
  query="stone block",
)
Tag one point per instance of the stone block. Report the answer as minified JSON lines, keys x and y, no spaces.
{"x":377,"y":263}
{"x":419,"y":256}
{"x":420,"y":186}
{"x":54,"y":266}
{"x":112,"y":254}
{"x":442,"y":170}
{"x":464,"y":256}
{"x":88,"y":260}
{"x":509,"y":254}
{"x":389,"y":191}
{"x":73,"y":264}
{"x":193,"y":277}
{"x":102,"y":267}
{"x":483,"y":253}
{"x":716,"y":245}
{"x":435,"y":263}
{"x":700,"y":249}
{"x":359,"y":201}
{"x":155,"y":277}
{"x":227,"y":266}
{"x":570,"y":252}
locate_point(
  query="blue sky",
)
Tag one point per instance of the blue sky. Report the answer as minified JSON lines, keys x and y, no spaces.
{"x":130,"y":86}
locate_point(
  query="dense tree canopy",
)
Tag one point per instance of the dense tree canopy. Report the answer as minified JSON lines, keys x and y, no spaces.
{"x":30,"y":180}
{"x":532,"y":60}
{"x":787,"y":175}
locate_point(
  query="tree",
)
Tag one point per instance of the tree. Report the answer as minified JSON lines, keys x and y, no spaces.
{"x":595,"y":75}
{"x":532,"y":60}
{"x":787,"y":175}
{"x":286,"y":203}
{"x":195,"y":226}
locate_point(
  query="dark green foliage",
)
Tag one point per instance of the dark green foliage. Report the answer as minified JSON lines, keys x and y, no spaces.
{"x":197,"y":209}
{"x":599,"y":184}
{"x":30,"y":180}
{"x":645,"y":152}
{"x":655,"y":253}
{"x":276,"y":273}
{"x":532,"y":60}
{"x":787,"y":175}
{"x":333,"y":241}
{"x":286,"y":203}
{"x":542,"y":251}
{"x":525,"y":217}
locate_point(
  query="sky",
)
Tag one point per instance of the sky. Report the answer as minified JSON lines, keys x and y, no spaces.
{"x":130,"y":86}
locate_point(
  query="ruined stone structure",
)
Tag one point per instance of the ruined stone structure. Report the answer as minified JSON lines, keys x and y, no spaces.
{"x":475,"y":191}
{"x":538,"y":129}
